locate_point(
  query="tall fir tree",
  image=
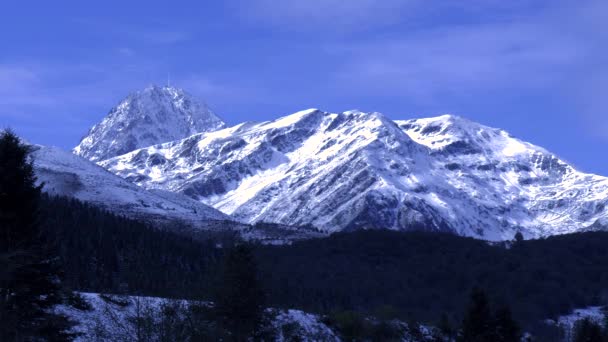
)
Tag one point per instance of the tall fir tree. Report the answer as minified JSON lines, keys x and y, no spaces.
{"x":445,"y":327}
{"x":29,"y":277}
{"x":477,"y":325}
{"x":586,"y":330}
{"x":506,"y":328}
{"x":239,"y":299}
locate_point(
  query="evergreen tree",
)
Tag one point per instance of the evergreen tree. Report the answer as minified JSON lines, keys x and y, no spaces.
{"x":519,"y":237}
{"x":507,"y":330}
{"x":477,"y":325}
{"x":445,"y":327}
{"x":29,"y":277}
{"x":586,"y":330}
{"x":605,"y":322}
{"x":239,"y":299}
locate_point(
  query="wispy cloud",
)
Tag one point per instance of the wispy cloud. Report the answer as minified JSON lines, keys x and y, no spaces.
{"x":17,"y":84}
{"x":29,"y":89}
{"x":551,"y":50}
{"x":459,"y":59}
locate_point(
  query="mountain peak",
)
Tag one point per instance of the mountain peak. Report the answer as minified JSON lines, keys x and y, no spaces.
{"x":147,"y":117}
{"x":167,"y":89}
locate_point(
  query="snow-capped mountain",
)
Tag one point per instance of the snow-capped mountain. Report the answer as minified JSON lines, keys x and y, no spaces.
{"x":352,"y":170}
{"x":66,"y":174}
{"x":148,"y":117}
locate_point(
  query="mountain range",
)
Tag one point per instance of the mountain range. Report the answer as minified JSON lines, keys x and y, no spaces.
{"x":346,"y":171}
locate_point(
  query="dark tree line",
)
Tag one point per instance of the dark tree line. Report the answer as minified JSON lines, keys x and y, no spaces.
{"x":422,"y":275}
{"x":587,"y":330}
{"x":419,"y":275}
{"x":480,"y":324}
{"x":102,"y":252}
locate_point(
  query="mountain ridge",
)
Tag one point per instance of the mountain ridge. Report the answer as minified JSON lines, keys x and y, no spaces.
{"x":356,"y":170}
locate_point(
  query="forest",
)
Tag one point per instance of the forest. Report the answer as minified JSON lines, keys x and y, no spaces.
{"x":413,"y":275}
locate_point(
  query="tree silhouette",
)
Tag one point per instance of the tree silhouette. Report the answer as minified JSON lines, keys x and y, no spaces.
{"x":239,"y":299}
{"x":506,"y":329}
{"x":477,"y":325}
{"x":586,"y":330}
{"x":29,"y":277}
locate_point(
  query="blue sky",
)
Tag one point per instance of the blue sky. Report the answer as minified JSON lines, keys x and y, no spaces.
{"x":538,"y":69}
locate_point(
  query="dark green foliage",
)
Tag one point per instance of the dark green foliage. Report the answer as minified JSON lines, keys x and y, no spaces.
{"x":519,"y":237}
{"x":102,"y":252}
{"x":418,"y":274}
{"x":77,"y":301}
{"x":239,"y":300}
{"x":424,"y":274}
{"x":586,"y":330}
{"x":29,"y":276}
{"x":481,"y":325}
{"x":445,"y":327}
{"x":543,"y":332}
{"x":506,"y":329}
{"x":477,"y":325}
{"x":605,"y":319}
{"x":352,"y":326}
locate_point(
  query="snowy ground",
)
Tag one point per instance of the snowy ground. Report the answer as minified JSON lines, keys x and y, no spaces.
{"x":111,"y":318}
{"x":567,"y":322}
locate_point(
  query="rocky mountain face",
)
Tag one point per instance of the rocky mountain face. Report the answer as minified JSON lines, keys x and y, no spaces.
{"x":355,"y":170}
{"x":66,"y":174}
{"x":148,"y":117}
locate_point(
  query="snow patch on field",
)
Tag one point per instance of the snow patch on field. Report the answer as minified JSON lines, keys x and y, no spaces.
{"x":111,"y":318}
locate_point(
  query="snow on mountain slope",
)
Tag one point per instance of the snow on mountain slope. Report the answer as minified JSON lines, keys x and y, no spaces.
{"x":356,"y":170}
{"x":517,"y":183}
{"x":64,"y":173}
{"x":144,"y":118}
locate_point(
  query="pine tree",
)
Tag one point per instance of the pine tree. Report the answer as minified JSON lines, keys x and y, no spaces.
{"x":239,"y":299}
{"x":605,"y":322}
{"x":29,"y":277}
{"x":586,"y":330}
{"x":477,"y":325}
{"x":519,"y":237}
{"x":506,"y":329}
{"x":445,"y":327}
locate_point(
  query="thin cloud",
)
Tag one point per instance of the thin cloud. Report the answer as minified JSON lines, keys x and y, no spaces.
{"x":533,"y":53}
{"x":456,"y":60}
{"x":21,"y":86}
